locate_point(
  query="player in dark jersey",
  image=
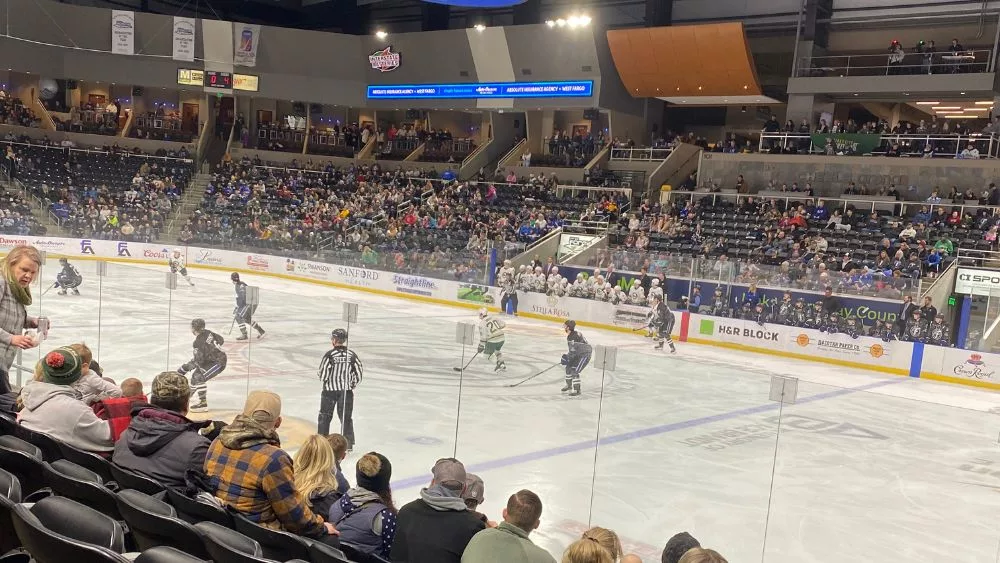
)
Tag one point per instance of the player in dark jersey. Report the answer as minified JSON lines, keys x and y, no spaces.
{"x":938,"y":332}
{"x":916,"y":328}
{"x":576,"y":359}
{"x":209,"y":361}
{"x":244,"y":311}
{"x":68,"y":278}
{"x":662,"y":324}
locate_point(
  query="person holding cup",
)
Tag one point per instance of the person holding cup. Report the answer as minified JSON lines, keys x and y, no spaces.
{"x":17,"y":272}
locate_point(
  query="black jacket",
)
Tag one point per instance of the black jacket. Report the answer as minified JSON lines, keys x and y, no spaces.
{"x":161,"y":445}
{"x":425,"y":534}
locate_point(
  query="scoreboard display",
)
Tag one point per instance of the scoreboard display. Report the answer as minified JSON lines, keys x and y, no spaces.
{"x":216,"y":79}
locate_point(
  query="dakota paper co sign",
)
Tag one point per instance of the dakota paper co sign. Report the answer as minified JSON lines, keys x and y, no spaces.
{"x":384,"y":60}
{"x":977,"y":282}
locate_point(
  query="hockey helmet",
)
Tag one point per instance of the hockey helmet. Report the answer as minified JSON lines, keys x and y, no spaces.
{"x":787,"y":296}
{"x":818,"y":305}
{"x":579,"y":276}
{"x":607,"y":286}
{"x":760,"y":306}
{"x":63,"y":261}
{"x":656,"y":297}
{"x":554,"y":270}
{"x":198,"y":324}
{"x":852,"y":321}
{"x":483,"y":312}
{"x":654,"y":282}
{"x":834,"y":316}
{"x":339,"y":334}
{"x":718,"y":291}
{"x":177,"y":251}
{"x":916,"y":312}
{"x":235,"y":276}
{"x":939,"y":317}
{"x":570,"y":325}
{"x":507,"y":262}
{"x":538,"y":269}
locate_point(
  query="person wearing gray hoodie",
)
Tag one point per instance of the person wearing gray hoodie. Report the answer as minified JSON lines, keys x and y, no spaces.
{"x":51,"y":405}
{"x":437,"y":527}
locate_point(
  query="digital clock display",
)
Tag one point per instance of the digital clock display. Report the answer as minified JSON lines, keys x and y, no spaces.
{"x":215,"y":79}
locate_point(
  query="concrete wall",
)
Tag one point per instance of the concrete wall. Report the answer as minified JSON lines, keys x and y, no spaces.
{"x":829,"y":175}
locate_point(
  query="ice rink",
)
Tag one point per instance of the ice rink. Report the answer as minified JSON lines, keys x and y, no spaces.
{"x":864,"y":467}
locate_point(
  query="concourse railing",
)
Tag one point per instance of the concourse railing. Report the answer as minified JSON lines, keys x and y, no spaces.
{"x":943,"y":145}
{"x":646,"y":154}
{"x":890,"y":64}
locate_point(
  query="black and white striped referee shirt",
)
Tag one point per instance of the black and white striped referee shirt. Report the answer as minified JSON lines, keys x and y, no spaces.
{"x":340,"y":370}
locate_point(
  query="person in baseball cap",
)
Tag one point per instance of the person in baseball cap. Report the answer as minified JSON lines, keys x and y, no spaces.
{"x":161,"y":442}
{"x":438,"y":526}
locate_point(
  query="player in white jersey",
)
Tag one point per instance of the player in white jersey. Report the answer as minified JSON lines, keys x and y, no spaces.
{"x":491,"y":338}
{"x":636,"y":296}
{"x":655,"y":290}
{"x":177,"y":265}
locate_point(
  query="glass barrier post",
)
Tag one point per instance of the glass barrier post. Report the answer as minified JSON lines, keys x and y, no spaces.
{"x":605,"y":359}
{"x":465,"y":335}
{"x":102,"y":272}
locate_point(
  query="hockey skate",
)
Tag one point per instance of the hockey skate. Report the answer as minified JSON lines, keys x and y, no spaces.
{"x":569,"y":386}
{"x":575,"y":392}
{"x":62,"y":291}
{"x":200,"y":406}
{"x":76,"y":291}
{"x":659,"y":346}
{"x":260,"y":335}
{"x":242,"y":337}
{"x":500,"y":367}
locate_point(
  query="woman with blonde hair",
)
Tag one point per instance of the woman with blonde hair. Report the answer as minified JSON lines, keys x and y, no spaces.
{"x":17,"y":272}
{"x":702,"y":555}
{"x":605,"y":538}
{"x":313,"y":474}
{"x":587,"y":550}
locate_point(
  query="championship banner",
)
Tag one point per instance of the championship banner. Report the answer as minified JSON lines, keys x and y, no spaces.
{"x":184,"y":34}
{"x":852,"y":143}
{"x":246,"y":38}
{"x":122,"y":32}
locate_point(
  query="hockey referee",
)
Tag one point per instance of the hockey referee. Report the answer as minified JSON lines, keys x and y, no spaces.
{"x":341,"y":372}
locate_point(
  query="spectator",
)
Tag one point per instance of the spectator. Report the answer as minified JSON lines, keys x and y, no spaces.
{"x":970,"y":152}
{"x":248,"y":471}
{"x":161,"y":443}
{"x":366,"y":515}
{"x":313,"y":477}
{"x":509,"y":542}
{"x":51,"y":406}
{"x":605,"y":538}
{"x":701,"y":555}
{"x":474,"y":496}
{"x":91,"y":386}
{"x":677,"y":546}
{"x":928,"y":311}
{"x":437,"y":527}
{"x":586,"y":551}
{"x":118,"y":410}
{"x":19,"y":269}
{"x":831,"y":303}
{"x":339,"y":444}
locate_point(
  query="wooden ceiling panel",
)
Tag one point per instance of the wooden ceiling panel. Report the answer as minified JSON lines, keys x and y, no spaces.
{"x":676,"y":60}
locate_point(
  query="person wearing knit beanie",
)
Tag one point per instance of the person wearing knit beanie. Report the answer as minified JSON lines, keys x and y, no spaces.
{"x":379,"y":481}
{"x":366,"y":516}
{"x":52,"y":406}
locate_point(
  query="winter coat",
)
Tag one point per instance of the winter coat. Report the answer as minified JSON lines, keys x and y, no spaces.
{"x":161,"y":445}
{"x":364,"y":520}
{"x":55,"y":410}
{"x":92,"y":388}
{"x":435,"y":528}
{"x":504,"y":544}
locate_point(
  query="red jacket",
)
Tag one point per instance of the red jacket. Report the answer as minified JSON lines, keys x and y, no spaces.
{"x":118,"y":412}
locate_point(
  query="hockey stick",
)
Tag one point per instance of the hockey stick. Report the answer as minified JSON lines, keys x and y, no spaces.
{"x":533,"y":376}
{"x":231,"y":325}
{"x":463,"y":368}
{"x":49,"y":288}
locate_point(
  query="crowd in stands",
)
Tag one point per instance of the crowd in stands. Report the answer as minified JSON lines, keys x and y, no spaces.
{"x":567,"y":150}
{"x":285,"y":135}
{"x":239,"y":474}
{"x":14,"y":112}
{"x":108,"y":193}
{"x":924,"y":59}
{"x":92,"y":118}
{"x":160,"y":125}
{"x":16,"y":217}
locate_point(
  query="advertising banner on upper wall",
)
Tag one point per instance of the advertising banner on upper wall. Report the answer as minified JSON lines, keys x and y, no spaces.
{"x":246,"y":39}
{"x":122,"y":32}
{"x":184,"y":37}
{"x":977,"y":282}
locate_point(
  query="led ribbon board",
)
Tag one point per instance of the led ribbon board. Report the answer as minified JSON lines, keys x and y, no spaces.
{"x":573,"y":89}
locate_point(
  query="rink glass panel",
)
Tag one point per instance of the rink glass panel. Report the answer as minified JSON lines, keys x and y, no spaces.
{"x":687,"y":443}
{"x":862,"y":475}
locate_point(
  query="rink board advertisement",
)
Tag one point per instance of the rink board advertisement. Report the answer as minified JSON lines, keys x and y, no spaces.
{"x":918,"y":360}
{"x":803,"y":343}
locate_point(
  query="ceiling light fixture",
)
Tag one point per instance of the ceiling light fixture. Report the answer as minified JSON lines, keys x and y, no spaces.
{"x":939,"y":108}
{"x":381,"y":34}
{"x":550,"y":23}
{"x":480,"y":27}
{"x":928,"y":103}
{"x":985,"y":103}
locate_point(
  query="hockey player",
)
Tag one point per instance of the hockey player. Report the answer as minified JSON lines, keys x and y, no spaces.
{"x":538,"y":281}
{"x":491,"y":338}
{"x":553,"y":275}
{"x":759,"y":314}
{"x":244,"y":311}
{"x":506,"y":270}
{"x":785,"y":310}
{"x":916,"y":328}
{"x":209,"y":361}
{"x":576,"y":359}
{"x":662,"y":323}
{"x":605,"y":292}
{"x":719,"y":306}
{"x":508,"y":293}
{"x":800,"y":315}
{"x":816,"y":318}
{"x":852,"y":327}
{"x":68,"y":278}
{"x":654,"y":290}
{"x":563,"y":289}
{"x":636,"y":295}
{"x":618,"y":296}
{"x":577,"y":289}
{"x":177,"y":266}
{"x":523,"y":279}
{"x":939,"y":333}
{"x":833,"y":324}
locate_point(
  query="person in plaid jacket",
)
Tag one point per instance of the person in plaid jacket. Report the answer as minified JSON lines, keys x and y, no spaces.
{"x":248,"y":470}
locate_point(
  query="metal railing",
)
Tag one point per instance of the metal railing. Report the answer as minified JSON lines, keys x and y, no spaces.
{"x":101,"y":151}
{"x":888,"y":64}
{"x":640,"y":154}
{"x":944,"y":145}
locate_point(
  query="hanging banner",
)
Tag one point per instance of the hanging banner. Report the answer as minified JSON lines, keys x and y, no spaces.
{"x":848,"y":143}
{"x":246,"y":37}
{"x":122,"y":32}
{"x":184,"y":39}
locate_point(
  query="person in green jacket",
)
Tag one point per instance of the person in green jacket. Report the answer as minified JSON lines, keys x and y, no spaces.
{"x":508,"y":542}
{"x":945,"y":246}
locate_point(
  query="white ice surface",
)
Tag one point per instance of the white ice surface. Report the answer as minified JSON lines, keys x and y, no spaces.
{"x":864,"y":467}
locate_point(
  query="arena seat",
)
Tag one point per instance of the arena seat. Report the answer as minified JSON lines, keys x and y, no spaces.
{"x":155,"y":523}
{"x":58,"y":530}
